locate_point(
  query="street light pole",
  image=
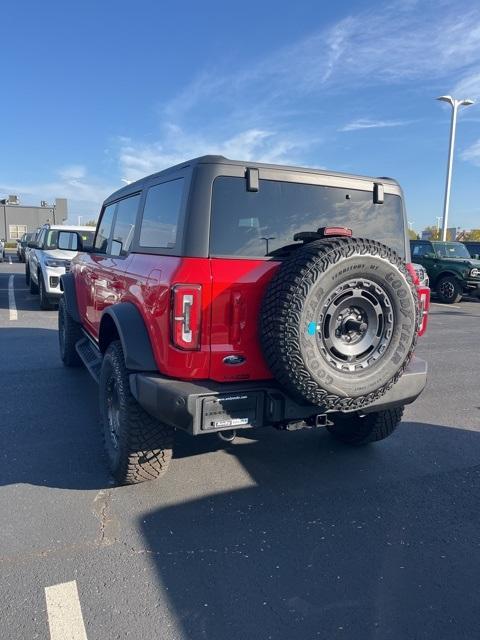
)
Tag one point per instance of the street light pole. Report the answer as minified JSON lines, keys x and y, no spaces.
{"x":455,"y":104}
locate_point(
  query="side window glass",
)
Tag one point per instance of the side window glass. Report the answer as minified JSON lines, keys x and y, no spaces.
{"x":421,"y":250}
{"x":40,"y":239}
{"x":104,"y":228}
{"x":124,"y":225}
{"x":160,"y":215}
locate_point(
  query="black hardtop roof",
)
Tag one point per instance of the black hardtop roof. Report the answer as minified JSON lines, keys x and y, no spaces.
{"x":212,"y":159}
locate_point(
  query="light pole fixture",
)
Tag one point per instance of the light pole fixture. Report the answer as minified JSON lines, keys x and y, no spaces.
{"x":455,"y":104}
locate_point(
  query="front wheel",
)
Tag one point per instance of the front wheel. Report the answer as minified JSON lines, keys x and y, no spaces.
{"x":33,"y":286}
{"x":449,"y":290}
{"x":357,"y":430}
{"x":45,"y":303}
{"x":137,"y":446}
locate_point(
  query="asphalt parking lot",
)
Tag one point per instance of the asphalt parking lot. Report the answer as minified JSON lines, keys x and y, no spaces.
{"x":278,"y":536}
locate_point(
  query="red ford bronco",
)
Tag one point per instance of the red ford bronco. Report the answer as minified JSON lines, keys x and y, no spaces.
{"x":222,"y":295}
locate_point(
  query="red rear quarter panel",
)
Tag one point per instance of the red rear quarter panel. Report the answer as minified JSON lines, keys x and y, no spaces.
{"x":148,"y":286}
{"x":232,"y":292}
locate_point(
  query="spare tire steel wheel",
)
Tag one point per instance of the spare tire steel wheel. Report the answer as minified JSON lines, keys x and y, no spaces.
{"x":339,"y":322}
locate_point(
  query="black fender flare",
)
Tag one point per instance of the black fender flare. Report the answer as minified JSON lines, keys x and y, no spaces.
{"x":452,"y":274}
{"x":67,"y":285}
{"x":133,"y":335}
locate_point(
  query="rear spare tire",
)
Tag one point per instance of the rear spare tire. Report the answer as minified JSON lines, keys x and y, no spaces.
{"x":357,"y":430}
{"x":339,"y":322}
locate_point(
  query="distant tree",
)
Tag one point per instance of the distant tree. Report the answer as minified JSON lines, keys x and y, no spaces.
{"x":413,"y":234}
{"x":433,"y":231}
{"x":91,"y":223}
{"x":473,"y":234}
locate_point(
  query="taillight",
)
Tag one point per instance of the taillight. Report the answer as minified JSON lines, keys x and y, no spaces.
{"x":424,"y":298}
{"x":186,"y":316}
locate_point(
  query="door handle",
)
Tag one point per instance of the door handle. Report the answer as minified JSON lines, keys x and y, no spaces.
{"x":116,"y":284}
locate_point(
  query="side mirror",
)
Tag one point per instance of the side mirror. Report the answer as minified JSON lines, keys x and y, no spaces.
{"x":69,"y":241}
{"x":32,"y":245}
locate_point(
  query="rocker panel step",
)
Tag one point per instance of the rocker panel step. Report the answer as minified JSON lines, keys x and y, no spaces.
{"x":90,"y":356}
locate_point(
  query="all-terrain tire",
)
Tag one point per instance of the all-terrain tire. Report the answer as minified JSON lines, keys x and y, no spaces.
{"x":449,"y":290}
{"x":69,"y":333}
{"x":45,"y":303}
{"x":357,"y":430}
{"x":305,"y":348}
{"x":138,"y":447}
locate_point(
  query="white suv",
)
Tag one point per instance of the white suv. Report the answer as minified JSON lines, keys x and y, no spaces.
{"x":46,"y":262}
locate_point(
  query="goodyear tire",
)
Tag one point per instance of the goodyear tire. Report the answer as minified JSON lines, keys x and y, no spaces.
{"x":357,"y":430}
{"x":339,"y":322}
{"x":137,"y":446}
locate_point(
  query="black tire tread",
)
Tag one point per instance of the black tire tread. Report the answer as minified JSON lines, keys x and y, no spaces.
{"x":73,"y":333}
{"x":286,"y":295}
{"x":360,"y":430}
{"x":45,"y":303}
{"x":33,"y":286}
{"x":458,"y":295}
{"x":147,"y":447}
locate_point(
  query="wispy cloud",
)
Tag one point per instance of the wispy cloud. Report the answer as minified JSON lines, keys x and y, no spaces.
{"x":468,"y":86}
{"x":472,"y":153}
{"x":72,"y":182}
{"x":357,"y":125}
{"x":176,"y":145}
{"x":386,"y":45}
{"x":244,"y":109}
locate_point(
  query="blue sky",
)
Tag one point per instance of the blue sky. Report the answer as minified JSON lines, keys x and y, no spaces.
{"x":94,"y":92}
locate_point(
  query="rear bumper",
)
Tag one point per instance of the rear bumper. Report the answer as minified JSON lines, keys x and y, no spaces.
{"x":206,"y":406}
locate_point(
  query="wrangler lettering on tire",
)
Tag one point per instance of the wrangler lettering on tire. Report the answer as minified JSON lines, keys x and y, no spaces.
{"x":339,"y":322}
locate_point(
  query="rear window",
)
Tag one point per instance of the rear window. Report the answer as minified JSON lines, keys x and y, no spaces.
{"x":255,"y":223}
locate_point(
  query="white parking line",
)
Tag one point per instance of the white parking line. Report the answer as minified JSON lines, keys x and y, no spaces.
{"x":11,"y":299}
{"x":10,"y":260}
{"x":65,"y":618}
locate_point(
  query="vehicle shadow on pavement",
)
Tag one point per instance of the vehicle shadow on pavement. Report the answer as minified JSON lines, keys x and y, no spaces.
{"x":328,"y":542}
{"x":49,"y":422}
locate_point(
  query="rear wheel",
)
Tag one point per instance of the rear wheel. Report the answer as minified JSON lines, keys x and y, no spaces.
{"x":357,"y":430}
{"x":449,"y":290}
{"x":137,"y":446}
{"x":69,"y":333}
